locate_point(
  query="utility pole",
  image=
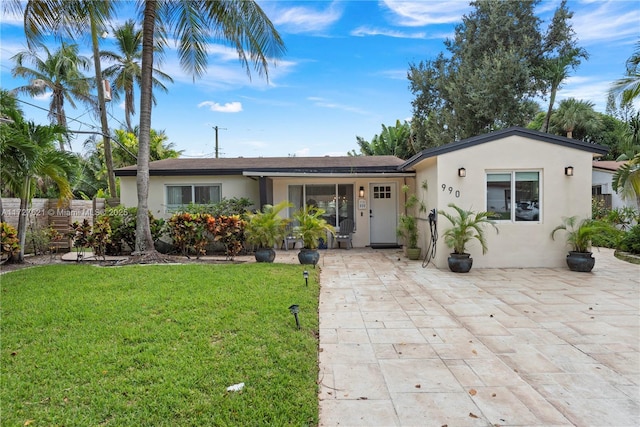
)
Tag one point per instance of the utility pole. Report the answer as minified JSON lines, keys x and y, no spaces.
{"x":216,"y":129}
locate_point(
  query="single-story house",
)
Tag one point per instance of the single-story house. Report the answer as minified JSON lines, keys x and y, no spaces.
{"x":530,"y":179}
{"x":602,"y":187}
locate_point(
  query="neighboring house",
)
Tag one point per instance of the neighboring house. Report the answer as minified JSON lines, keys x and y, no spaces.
{"x":602,"y":189}
{"x":520,"y":174}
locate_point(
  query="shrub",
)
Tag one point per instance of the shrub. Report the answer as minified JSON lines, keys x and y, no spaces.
{"x":80,"y":234}
{"x":188,"y":232}
{"x":228,"y":230}
{"x":631,"y":240}
{"x":226,"y":207}
{"x":9,"y":240}
{"x":100,"y":236}
{"x":122,"y":222}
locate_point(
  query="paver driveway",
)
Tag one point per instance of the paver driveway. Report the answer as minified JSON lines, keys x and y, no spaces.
{"x":405,"y":346}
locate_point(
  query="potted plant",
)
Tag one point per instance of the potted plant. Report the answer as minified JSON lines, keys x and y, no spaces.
{"x":465,"y":226}
{"x":579,"y":236}
{"x":265,"y":229}
{"x":310,"y":228}
{"x":408,"y":224}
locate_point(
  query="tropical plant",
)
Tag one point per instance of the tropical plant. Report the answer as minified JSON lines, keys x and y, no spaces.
{"x":126,"y":72}
{"x":65,"y":19}
{"x":626,"y":180}
{"x":408,"y":224}
{"x":100,"y":237}
{"x":228,"y":230}
{"x":631,"y":240}
{"x":242,"y":24}
{"x":628,"y":87}
{"x":59,"y":72}
{"x":466,"y":225}
{"x":266,"y":228}
{"x":392,"y":141}
{"x":575,"y":114}
{"x":9,"y":242}
{"x":581,"y":232}
{"x":22,"y":168}
{"x":311,"y":226}
{"x":189,"y":232}
{"x":225,"y":207}
{"x":555,"y":71}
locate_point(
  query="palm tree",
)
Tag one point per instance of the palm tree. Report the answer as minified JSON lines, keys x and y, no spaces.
{"x":573,"y":114}
{"x":555,"y":71}
{"x":626,"y":180}
{"x":35,"y":158}
{"x":126,"y":71}
{"x":629,"y":87}
{"x":392,"y":141}
{"x":71,"y":18}
{"x":242,"y":24}
{"x":58,"y":72}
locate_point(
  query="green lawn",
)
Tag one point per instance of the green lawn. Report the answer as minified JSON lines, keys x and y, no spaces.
{"x":158,"y":346}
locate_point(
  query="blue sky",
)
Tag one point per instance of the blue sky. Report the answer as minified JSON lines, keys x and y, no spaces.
{"x":343,"y":75}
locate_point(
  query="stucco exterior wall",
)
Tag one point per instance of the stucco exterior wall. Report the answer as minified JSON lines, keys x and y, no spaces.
{"x":518,"y":244}
{"x":231,"y":186}
{"x":362,"y":224}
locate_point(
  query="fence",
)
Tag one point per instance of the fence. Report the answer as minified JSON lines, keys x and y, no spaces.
{"x":44,"y":213}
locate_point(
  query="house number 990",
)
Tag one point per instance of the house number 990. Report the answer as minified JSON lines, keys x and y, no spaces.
{"x":444,"y":188}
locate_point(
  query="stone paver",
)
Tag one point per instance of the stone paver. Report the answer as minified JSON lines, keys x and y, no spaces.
{"x":402,"y":345}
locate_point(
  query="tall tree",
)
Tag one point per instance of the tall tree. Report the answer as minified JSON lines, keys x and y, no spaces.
{"x":126,"y":71}
{"x":59,"y":72}
{"x":35,"y":158}
{"x":242,"y":24}
{"x":72,"y":19}
{"x":491,"y":75}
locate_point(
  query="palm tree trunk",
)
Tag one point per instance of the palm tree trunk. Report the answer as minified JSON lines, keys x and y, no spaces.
{"x":144,"y":241}
{"x":25,"y":197}
{"x":547,"y":117}
{"x":111,"y":178}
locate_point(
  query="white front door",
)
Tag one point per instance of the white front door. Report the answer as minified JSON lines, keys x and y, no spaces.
{"x":383,"y":213}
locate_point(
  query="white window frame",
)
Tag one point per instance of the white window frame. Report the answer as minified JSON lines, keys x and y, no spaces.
{"x":512,"y":202}
{"x":173,"y":207}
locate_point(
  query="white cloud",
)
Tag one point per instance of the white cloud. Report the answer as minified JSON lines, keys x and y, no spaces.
{"x":229,"y":107}
{"x":321,"y":102}
{"x":611,"y":20}
{"x":367,"y":31}
{"x":304,"y":19}
{"x":418,"y":14}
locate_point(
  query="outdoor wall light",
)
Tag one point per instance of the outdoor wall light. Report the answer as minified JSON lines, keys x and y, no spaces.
{"x":568,"y":171}
{"x":462,"y":172}
{"x":361,"y":192}
{"x":305,"y":274}
{"x":294,"y":309}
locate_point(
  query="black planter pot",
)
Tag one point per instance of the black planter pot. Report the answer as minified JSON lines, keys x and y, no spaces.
{"x":308,"y":256}
{"x":581,"y":261}
{"x":265,"y":255}
{"x":460,"y":263}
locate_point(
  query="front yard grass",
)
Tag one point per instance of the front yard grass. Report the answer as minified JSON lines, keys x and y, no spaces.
{"x":158,"y":345}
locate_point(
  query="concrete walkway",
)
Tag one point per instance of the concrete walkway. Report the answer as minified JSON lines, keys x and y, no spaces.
{"x":405,"y":346}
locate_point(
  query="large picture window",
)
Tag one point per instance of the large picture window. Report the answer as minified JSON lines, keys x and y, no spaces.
{"x":524,"y":186}
{"x":180,"y":195}
{"x":337,"y":200}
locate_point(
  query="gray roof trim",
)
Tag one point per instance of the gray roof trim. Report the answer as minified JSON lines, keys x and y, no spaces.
{"x":504,"y":133}
{"x":267,"y":166}
{"x":392,"y":174}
